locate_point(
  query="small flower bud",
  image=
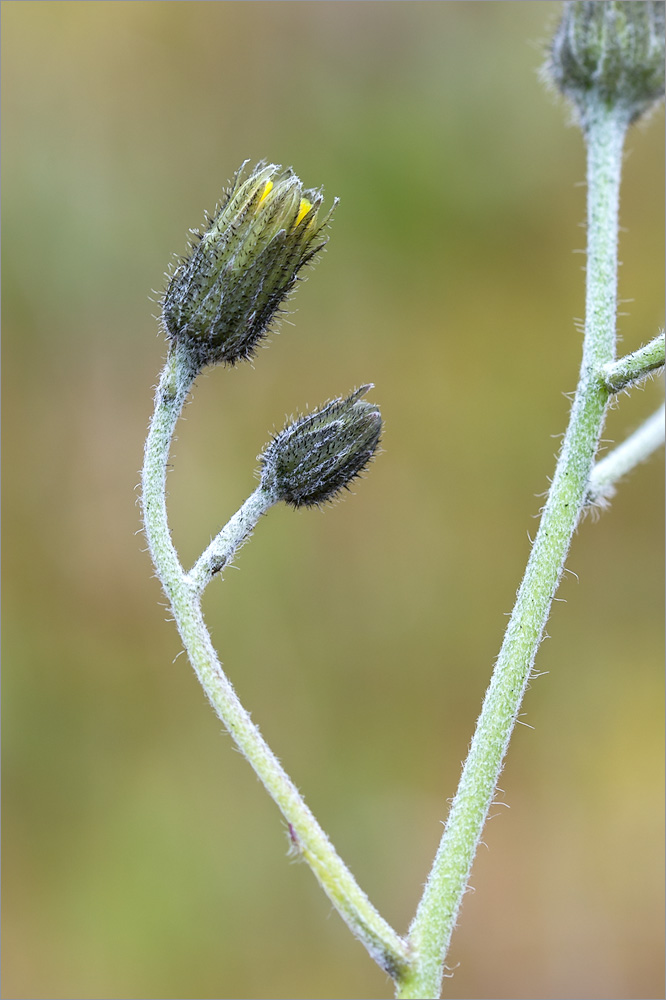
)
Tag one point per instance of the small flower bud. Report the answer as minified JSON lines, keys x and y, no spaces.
{"x":319,"y":454}
{"x":609,"y":53}
{"x":222,"y":298}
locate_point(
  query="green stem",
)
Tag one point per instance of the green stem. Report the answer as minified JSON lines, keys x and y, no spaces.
{"x":175,"y":383}
{"x":633,"y":367}
{"x":226,"y":543}
{"x":435,"y":918}
{"x":636,"y":449}
{"x":309,"y":840}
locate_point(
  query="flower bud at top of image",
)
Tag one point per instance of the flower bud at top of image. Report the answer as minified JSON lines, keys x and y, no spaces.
{"x":609,"y":54}
{"x":221,"y":299}
{"x":318,"y":455}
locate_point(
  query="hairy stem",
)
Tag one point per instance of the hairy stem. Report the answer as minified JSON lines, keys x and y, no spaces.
{"x":636,"y":449}
{"x":226,"y":543}
{"x":184,"y":593}
{"x":435,"y":918}
{"x":634,"y":367}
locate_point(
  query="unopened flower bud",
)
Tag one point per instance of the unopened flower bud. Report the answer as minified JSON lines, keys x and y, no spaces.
{"x":222,"y":298}
{"x":319,"y":454}
{"x":609,"y":53}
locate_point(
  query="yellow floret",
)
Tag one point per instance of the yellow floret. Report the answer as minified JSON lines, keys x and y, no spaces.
{"x":303,"y":210}
{"x":268,"y":187}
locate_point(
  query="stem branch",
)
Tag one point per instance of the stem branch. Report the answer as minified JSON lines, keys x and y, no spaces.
{"x":184,"y":593}
{"x":636,"y":449}
{"x":632,"y":368}
{"x":226,"y":543}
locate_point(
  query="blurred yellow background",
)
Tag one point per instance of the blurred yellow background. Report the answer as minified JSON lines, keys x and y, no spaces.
{"x":141,"y":857}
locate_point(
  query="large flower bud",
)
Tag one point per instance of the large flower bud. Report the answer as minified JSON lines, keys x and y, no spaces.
{"x":222,"y":298}
{"x":609,"y":53}
{"x":318,"y":455}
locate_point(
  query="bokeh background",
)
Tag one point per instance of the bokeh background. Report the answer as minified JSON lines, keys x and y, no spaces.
{"x":141,"y":857}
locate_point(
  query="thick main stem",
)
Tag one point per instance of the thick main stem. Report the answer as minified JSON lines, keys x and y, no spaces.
{"x":310,"y":841}
{"x":435,"y":918}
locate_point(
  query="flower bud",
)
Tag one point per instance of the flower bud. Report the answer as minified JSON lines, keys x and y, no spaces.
{"x":610,"y":53}
{"x":221,"y":299}
{"x":319,"y":454}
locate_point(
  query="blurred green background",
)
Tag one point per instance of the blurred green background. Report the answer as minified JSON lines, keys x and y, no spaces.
{"x":141,"y":857}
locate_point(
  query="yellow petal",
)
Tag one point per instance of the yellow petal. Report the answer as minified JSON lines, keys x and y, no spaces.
{"x":303,"y":210}
{"x":268,"y":187}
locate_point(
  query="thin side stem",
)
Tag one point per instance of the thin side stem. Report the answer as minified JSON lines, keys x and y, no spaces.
{"x":226,"y":543}
{"x":308,"y":839}
{"x":435,"y":918}
{"x":634,"y":367}
{"x":636,"y":449}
